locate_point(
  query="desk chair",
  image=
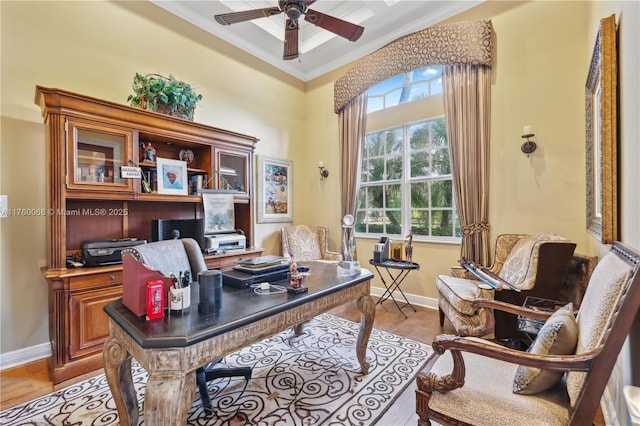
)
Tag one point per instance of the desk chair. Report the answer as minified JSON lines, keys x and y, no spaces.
{"x":537,"y":264}
{"x":180,"y":255}
{"x":562,"y":377}
{"x":307,"y":242}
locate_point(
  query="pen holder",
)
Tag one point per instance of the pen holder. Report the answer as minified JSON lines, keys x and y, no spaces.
{"x":210,"y":291}
{"x":179,"y":299}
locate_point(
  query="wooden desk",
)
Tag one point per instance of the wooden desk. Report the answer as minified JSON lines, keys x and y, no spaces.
{"x":172,"y":348}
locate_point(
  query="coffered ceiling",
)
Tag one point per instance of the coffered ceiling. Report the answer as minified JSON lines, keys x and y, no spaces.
{"x":320,"y":51}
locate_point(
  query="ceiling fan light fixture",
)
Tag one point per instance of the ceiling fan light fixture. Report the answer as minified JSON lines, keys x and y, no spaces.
{"x":293,"y":11}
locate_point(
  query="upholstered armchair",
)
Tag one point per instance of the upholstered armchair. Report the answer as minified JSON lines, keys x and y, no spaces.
{"x":175,"y":256}
{"x":559,"y":381}
{"x":307,"y":242}
{"x":536,"y":264}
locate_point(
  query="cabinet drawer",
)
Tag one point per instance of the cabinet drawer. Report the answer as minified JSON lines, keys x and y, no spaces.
{"x":88,"y":323}
{"x":88,"y":282}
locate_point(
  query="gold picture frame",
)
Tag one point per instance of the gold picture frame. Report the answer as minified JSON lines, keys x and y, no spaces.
{"x":601,"y":135}
{"x":275,"y":190}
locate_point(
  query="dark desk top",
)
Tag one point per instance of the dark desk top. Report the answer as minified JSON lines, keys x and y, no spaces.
{"x":395,"y":265}
{"x":239,"y":308}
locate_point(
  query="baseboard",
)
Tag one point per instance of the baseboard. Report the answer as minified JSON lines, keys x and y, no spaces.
{"x":24,"y":356}
{"x":425,"y":302}
{"x":43,"y":350}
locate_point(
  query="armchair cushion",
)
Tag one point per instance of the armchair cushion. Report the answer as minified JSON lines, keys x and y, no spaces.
{"x":522,"y":261}
{"x":307,"y":242}
{"x":461,"y":292}
{"x":558,"y":336}
{"x":486,"y":397}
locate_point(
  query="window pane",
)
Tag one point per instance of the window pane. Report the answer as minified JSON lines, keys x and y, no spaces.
{"x":395,"y":222}
{"x":439,"y":133}
{"x":441,"y":163}
{"x":375,"y":221}
{"x":436,"y":86}
{"x":376,"y":170}
{"x":394,"y":167}
{"x":393,"y":196}
{"x":392,"y":98}
{"x":419,"y":91}
{"x":384,"y":86}
{"x":441,"y":193}
{"x":419,"y":136}
{"x":441,"y":223}
{"x":420,"y":222}
{"x":420,"y":195}
{"x":419,"y":164}
{"x":374,"y":196}
{"x":374,"y":144}
{"x":375,"y":103}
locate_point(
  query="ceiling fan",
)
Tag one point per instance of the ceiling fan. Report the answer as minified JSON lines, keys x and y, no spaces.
{"x":294,"y":9}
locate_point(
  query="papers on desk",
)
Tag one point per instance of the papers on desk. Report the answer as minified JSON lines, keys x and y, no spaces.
{"x":262,"y":264}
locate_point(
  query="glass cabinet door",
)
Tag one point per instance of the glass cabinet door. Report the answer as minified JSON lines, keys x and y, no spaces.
{"x":95,"y":155}
{"x":232,"y":168}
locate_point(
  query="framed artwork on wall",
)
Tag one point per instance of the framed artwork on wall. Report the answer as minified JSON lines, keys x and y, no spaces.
{"x":601,"y":135}
{"x":275,"y":190}
{"x":172,"y":176}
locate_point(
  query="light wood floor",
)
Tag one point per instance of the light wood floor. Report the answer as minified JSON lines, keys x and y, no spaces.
{"x":31,"y":380}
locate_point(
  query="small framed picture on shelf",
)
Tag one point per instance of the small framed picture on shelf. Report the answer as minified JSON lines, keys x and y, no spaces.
{"x":172,"y":177}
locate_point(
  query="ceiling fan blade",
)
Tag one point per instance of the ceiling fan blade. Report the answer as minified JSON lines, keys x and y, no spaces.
{"x":290,"y":40}
{"x":246,"y":15}
{"x":351,"y":32}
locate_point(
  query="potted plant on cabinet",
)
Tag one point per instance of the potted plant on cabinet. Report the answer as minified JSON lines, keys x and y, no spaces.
{"x":165,"y":95}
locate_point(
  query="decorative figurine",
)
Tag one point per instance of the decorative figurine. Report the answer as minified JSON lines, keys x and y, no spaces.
{"x":149,"y":151}
{"x":408,"y":250}
{"x":295,"y":280}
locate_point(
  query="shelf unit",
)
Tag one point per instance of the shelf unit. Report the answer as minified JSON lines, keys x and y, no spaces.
{"x":89,"y":140}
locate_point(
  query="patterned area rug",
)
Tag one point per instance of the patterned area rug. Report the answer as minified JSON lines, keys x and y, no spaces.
{"x":312,"y":379}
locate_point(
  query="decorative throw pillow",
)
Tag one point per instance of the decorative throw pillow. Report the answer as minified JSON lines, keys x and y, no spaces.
{"x":558,"y":336}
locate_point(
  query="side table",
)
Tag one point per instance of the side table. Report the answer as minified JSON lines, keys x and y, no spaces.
{"x":397,"y":272}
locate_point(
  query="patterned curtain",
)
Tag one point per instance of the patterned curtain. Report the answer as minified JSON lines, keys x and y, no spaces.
{"x":467,"y":100}
{"x":352,"y":126}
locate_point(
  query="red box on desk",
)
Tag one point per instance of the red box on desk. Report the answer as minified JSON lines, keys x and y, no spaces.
{"x":135,"y":276}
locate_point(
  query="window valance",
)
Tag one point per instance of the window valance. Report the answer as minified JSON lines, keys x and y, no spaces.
{"x":460,"y":43}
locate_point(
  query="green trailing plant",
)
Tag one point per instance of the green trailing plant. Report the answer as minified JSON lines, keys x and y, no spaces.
{"x":155,"y":92}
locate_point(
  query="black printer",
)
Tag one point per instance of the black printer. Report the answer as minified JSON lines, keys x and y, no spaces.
{"x":101,"y":252}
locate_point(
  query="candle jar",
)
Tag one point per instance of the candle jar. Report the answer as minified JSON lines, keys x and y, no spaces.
{"x":396,"y":251}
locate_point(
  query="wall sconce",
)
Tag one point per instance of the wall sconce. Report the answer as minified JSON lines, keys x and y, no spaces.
{"x":529,"y":146}
{"x":323,"y":172}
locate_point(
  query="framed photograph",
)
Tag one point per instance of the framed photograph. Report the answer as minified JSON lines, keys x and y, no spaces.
{"x":172,"y":177}
{"x":601,"y":136}
{"x":275,"y":190}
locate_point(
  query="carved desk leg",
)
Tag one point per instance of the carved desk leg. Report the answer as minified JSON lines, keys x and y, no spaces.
{"x":367,"y":307}
{"x":169,"y":397}
{"x":117,"y":368}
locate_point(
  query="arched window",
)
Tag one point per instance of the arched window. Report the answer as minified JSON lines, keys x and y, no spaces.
{"x":405,"y":174}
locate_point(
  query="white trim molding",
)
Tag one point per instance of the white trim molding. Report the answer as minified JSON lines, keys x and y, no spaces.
{"x":24,"y":356}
